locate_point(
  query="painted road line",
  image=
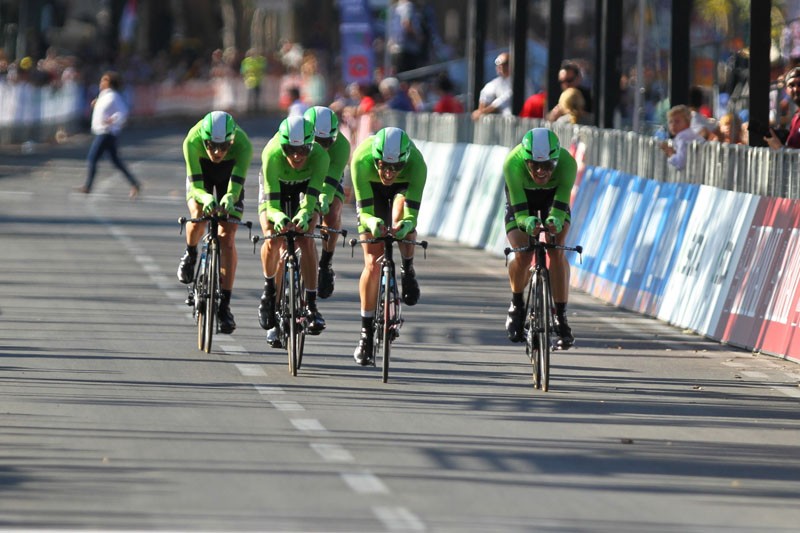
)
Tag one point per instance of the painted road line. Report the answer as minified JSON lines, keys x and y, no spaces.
{"x":308,"y":424}
{"x":287,"y":405}
{"x":267,"y":390}
{"x":333,"y":453}
{"x":364,"y":482}
{"x":250,"y":370}
{"x":398,"y":519}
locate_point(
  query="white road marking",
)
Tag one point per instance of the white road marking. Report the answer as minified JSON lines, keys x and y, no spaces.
{"x":287,"y":405}
{"x":308,"y":424}
{"x":794,"y":392}
{"x":333,"y":453}
{"x":250,"y":370}
{"x":398,"y":519}
{"x":364,"y":482}
{"x":267,"y":390}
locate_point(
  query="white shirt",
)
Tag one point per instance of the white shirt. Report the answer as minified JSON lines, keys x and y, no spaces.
{"x":109,"y":113}
{"x":681,"y":145}
{"x":497,"y":93}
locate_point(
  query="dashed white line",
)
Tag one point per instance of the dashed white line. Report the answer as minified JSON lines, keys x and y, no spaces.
{"x":398,"y":519}
{"x":333,"y":453}
{"x":250,"y":370}
{"x":287,"y":405}
{"x":753,"y":374}
{"x":308,"y":424}
{"x":364,"y":482}
{"x":794,"y":392}
{"x":267,"y":390}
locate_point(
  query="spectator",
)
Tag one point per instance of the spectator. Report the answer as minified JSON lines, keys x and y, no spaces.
{"x":405,"y":38}
{"x":572,"y":106}
{"x":700,"y":113}
{"x":108,"y":117}
{"x":495,"y":96}
{"x":729,"y":129}
{"x":533,"y":107}
{"x":297,"y":105}
{"x":447,"y":102}
{"x":771,"y":136}
{"x":570,"y":76}
{"x":679,"y":120}
{"x":252,"y":70}
{"x":394,"y":96}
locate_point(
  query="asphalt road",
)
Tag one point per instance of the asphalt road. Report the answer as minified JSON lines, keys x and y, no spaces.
{"x":111,"y":419}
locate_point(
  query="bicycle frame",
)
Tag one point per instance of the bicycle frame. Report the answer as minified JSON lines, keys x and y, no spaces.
{"x":388,"y":312}
{"x":290,"y":320}
{"x":540,"y":307}
{"x":205,"y":293}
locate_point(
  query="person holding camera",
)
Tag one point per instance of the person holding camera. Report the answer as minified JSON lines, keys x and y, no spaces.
{"x":773,"y":137}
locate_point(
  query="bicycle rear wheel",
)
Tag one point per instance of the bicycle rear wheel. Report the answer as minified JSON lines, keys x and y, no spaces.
{"x":212,"y":296}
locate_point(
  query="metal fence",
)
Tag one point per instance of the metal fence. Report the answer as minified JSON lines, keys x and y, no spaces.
{"x":759,"y":171}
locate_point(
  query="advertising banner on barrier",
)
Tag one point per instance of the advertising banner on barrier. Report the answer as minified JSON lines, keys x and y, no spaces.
{"x":665,"y":209}
{"x":756,"y":275}
{"x":481,"y":193}
{"x":438,"y":185}
{"x":702,"y":272}
{"x":777,"y":329}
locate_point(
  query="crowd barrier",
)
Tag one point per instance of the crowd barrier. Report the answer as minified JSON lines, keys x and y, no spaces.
{"x":720,"y":263}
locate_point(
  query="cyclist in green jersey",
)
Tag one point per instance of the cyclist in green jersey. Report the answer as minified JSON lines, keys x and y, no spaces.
{"x":539,"y":176}
{"x":326,"y":134}
{"x":389,"y":176}
{"x":217,"y":153}
{"x":293,"y":169}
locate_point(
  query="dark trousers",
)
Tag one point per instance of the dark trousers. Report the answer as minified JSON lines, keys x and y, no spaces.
{"x":106,"y":142}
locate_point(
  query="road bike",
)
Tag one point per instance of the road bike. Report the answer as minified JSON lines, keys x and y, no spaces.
{"x":204,"y":292}
{"x":388,"y":312}
{"x":290,"y":317}
{"x":539,"y":306}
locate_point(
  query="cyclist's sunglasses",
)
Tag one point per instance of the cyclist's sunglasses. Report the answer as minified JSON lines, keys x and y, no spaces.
{"x":217,"y":147}
{"x":546,"y":166}
{"x":325,"y":142}
{"x":394,"y":167}
{"x":303,"y":149}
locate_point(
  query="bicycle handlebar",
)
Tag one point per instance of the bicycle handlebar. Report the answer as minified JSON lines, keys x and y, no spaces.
{"x":213,"y":216}
{"x":287,"y":234}
{"x":537,"y":244}
{"x":388,"y":239}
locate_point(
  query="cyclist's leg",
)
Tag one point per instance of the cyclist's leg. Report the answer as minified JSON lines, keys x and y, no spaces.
{"x":327,"y":276}
{"x":368,"y":294}
{"x":270,"y":256}
{"x":559,"y":281}
{"x":518,"y":277}
{"x":308,"y":270}
{"x":228,"y":255}
{"x":407,"y":274}
{"x":194,"y":232}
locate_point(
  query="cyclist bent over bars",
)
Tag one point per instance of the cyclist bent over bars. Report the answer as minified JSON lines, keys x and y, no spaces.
{"x":539,"y":176}
{"x":389,"y":176}
{"x":217,"y":153}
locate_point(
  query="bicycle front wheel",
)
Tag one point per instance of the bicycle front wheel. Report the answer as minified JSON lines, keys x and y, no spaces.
{"x":544,"y":311}
{"x":386,"y":318}
{"x":290,"y":336}
{"x":300,"y":320}
{"x":200,"y":309}
{"x":212,"y":296}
